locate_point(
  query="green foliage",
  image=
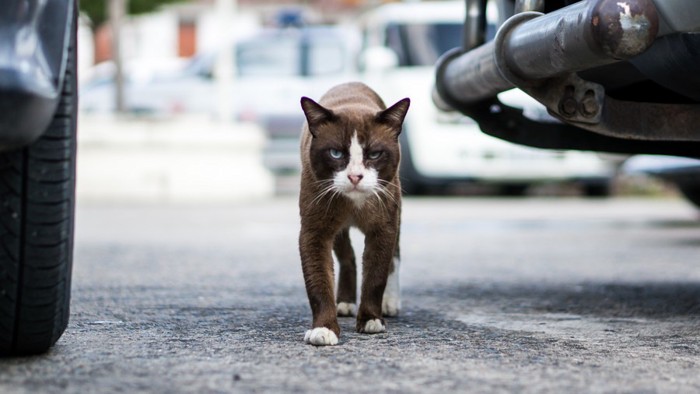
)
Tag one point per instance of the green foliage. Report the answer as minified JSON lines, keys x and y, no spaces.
{"x":96,"y":10}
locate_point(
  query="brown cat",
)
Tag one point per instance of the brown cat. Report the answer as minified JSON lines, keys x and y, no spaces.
{"x":350,"y":160}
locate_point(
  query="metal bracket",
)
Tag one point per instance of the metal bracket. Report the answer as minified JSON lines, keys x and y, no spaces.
{"x":570,"y":98}
{"x":502,"y":121}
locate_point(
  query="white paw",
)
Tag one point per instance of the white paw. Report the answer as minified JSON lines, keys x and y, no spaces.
{"x":320,"y":336}
{"x":391,"y":306}
{"x":346,"y":309}
{"x":374,"y":326}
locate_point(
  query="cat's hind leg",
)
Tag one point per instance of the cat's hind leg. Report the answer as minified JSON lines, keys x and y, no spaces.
{"x":347,"y":277}
{"x":391,"y":301}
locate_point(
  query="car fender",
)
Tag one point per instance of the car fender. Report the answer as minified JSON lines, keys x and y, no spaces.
{"x":34,"y":37}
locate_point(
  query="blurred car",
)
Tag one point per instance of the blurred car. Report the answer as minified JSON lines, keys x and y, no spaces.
{"x":274,"y":68}
{"x":683,"y":172}
{"x":139,"y":71}
{"x":401,"y":43}
{"x":37,"y":168}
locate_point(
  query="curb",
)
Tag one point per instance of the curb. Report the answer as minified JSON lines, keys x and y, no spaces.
{"x":182,"y":159}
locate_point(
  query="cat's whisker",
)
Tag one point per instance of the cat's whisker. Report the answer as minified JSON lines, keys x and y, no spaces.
{"x":335,"y":193}
{"x":384,"y":183}
{"x":325,"y":191}
{"x":331,"y":192}
{"x":323,"y":181}
{"x":328,"y":191}
{"x":318,"y":198}
{"x":385,"y":192}
{"x":379,"y":199}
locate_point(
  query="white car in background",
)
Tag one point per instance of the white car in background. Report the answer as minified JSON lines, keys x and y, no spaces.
{"x":275,"y":67}
{"x":401,"y":43}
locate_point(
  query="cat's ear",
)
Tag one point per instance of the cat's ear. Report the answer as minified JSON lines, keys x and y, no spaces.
{"x":394,"y":115}
{"x":315,"y":113}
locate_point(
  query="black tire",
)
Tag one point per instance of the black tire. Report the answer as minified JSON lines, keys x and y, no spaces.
{"x":691,"y":192}
{"x":597,"y":190}
{"x":412,"y":183}
{"x":37,"y":191}
{"x":513,"y":190}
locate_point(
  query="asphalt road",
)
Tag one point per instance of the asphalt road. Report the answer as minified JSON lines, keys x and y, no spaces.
{"x":499,"y":295}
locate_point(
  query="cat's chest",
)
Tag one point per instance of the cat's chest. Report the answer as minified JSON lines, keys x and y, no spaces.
{"x":367,"y":216}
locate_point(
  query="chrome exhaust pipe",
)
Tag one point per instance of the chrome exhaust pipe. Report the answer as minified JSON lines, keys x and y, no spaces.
{"x":531,"y":47}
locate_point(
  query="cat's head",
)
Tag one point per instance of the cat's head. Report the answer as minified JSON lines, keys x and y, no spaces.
{"x":355,"y":151}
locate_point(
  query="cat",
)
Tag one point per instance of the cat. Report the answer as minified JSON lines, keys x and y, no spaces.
{"x":350,"y":157}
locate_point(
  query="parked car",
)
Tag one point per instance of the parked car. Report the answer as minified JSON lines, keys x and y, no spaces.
{"x":38,"y":98}
{"x":401,"y":43}
{"x":278,"y":66}
{"x":683,"y":172}
{"x":274,"y":68}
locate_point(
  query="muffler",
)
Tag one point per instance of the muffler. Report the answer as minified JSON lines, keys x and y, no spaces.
{"x":531,"y":47}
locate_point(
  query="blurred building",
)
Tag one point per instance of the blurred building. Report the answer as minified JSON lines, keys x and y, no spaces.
{"x":181,"y":30}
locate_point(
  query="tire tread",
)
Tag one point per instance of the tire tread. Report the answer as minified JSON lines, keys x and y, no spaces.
{"x":37,"y":191}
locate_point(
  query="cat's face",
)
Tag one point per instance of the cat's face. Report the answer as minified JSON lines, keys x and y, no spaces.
{"x":355,"y":153}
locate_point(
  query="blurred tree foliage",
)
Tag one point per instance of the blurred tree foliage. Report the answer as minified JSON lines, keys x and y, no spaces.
{"x":96,"y":10}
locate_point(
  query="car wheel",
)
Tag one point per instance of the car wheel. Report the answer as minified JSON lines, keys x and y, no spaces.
{"x":599,"y":190}
{"x":411,"y":181}
{"x":37,"y":191}
{"x":691,"y":192}
{"x":513,"y":190}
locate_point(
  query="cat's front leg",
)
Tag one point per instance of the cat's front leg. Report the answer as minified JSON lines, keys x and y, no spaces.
{"x":317,"y":266}
{"x":376,"y":264}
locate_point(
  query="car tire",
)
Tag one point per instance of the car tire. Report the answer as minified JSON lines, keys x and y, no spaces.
{"x":37,"y":191}
{"x":513,"y":190}
{"x":412,"y":183}
{"x":691,"y":192}
{"x":597,"y":190}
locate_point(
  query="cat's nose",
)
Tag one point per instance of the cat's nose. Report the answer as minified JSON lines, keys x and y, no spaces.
{"x":355,"y":179}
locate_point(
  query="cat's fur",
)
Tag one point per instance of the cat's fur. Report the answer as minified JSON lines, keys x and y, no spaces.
{"x":350,"y":161}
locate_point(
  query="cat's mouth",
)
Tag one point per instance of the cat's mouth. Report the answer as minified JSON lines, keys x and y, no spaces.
{"x":356,"y":192}
{"x":356,"y":189}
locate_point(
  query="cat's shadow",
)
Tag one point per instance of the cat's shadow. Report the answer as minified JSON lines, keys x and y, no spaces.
{"x":649,"y":300}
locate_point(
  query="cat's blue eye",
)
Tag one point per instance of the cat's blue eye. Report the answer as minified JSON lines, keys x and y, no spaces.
{"x":374,"y":155}
{"x":335,"y":154}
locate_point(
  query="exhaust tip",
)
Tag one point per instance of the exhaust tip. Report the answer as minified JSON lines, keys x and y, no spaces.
{"x":624,"y":29}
